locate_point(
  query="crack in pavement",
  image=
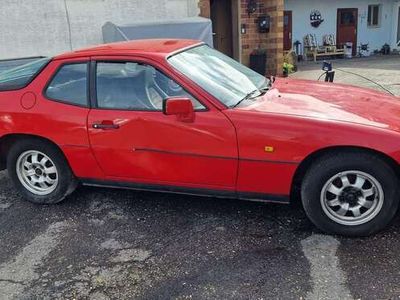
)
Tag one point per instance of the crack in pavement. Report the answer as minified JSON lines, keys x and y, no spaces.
{"x":19,"y":272}
{"x":328,"y":279}
{"x":12,"y":281}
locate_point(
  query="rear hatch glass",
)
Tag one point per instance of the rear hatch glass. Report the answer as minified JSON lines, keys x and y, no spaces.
{"x":21,"y":76}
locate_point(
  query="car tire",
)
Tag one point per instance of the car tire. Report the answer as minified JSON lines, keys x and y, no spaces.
{"x":350,"y":193}
{"x":40,"y":172}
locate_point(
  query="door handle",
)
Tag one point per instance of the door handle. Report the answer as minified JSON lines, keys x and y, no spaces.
{"x":105,"y":125}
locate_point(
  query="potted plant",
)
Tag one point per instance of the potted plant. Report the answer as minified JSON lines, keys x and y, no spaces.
{"x":287,"y":69}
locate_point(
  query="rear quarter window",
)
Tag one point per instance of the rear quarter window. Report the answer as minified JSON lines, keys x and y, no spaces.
{"x":21,"y":76}
{"x":69,"y":84}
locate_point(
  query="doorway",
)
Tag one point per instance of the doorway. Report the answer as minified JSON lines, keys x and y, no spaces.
{"x":347,"y":22}
{"x":225,"y":19}
{"x":398,"y":27}
{"x":287,"y":30}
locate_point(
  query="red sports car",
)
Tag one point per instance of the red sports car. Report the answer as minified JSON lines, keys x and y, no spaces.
{"x":178,"y":116}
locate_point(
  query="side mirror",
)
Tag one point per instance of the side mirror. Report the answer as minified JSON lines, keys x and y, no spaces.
{"x":182,"y":108}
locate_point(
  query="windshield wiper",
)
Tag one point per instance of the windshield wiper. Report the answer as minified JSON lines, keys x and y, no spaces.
{"x":248,"y":96}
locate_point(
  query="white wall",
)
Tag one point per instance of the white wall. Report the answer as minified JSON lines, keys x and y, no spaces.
{"x":40,"y":27}
{"x":376,"y":37}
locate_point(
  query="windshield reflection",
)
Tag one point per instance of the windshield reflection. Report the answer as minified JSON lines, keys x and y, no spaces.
{"x":224,"y":78}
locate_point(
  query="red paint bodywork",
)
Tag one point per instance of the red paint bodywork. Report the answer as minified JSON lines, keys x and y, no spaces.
{"x":222,"y":149}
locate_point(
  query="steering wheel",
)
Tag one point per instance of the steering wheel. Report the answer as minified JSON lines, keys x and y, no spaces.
{"x":153,"y":91}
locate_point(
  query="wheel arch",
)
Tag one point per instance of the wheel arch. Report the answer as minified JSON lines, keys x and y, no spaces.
{"x":6,"y":141}
{"x":308,"y":160}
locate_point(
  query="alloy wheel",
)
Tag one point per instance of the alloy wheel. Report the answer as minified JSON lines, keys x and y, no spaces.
{"x":352,"y":198}
{"x":37,"y":172}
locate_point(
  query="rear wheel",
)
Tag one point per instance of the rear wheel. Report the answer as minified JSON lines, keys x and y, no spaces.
{"x":40,"y":172}
{"x":350,"y":193}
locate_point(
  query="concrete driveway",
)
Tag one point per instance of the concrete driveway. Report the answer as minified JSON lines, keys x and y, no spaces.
{"x":385,"y":70}
{"x":117,"y":244}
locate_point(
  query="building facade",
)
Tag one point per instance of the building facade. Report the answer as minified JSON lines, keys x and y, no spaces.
{"x":373,"y":23}
{"x":237,"y":33}
{"x":43,"y":27}
{"x":369,"y":22}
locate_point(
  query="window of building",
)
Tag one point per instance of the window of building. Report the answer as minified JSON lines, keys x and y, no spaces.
{"x":374,"y":12}
{"x":135,"y":86}
{"x":69,"y":85}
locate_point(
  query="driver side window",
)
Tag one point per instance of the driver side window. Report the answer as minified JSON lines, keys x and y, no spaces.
{"x":135,"y":86}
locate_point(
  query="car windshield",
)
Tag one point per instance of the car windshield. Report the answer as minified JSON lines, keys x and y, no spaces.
{"x":21,"y":76}
{"x":221,"y":76}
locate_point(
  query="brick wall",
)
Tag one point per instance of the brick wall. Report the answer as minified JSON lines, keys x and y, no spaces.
{"x":204,"y":6}
{"x":272,"y":41}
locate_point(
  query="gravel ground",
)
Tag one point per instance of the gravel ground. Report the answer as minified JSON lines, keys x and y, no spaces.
{"x":118,"y":244}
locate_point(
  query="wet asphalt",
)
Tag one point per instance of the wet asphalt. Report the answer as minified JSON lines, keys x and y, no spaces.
{"x":121,"y":244}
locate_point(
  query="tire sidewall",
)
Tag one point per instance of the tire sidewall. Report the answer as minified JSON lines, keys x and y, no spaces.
{"x":65,"y":176}
{"x":329,"y":166}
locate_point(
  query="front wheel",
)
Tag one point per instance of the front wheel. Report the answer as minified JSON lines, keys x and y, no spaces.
{"x":39,"y":171}
{"x":350,"y":193}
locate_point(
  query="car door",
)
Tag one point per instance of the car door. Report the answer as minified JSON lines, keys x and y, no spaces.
{"x":133,"y":140}
{"x":60,"y":112}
